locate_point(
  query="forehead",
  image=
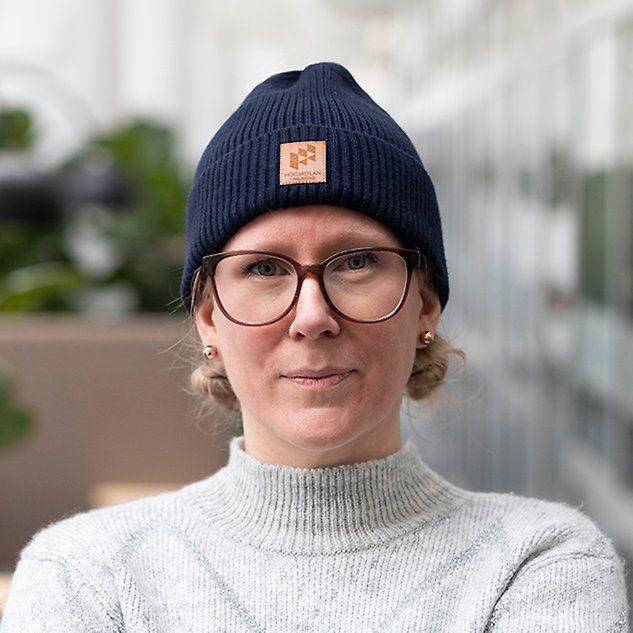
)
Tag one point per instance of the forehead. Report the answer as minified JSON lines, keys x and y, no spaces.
{"x":316,"y":228}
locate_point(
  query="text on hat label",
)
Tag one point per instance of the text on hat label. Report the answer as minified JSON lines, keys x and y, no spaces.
{"x":302,"y":162}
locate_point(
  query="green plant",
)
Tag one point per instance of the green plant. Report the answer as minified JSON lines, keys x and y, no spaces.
{"x":16,"y":129}
{"x":148,"y":230}
{"x":122,"y":194}
{"x":15,"y":421}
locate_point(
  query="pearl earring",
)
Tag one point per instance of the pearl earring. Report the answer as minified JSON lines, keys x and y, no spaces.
{"x":210,"y":352}
{"x":427,"y":339}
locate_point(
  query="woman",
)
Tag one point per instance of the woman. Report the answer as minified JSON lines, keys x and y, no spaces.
{"x":315,"y":273}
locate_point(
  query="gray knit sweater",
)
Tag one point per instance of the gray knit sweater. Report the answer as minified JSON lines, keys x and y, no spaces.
{"x":386,"y":545}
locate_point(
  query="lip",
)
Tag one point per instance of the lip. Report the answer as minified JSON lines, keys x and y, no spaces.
{"x":318,"y":380}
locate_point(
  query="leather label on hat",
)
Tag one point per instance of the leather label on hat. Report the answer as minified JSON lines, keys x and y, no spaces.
{"x":302,"y":162}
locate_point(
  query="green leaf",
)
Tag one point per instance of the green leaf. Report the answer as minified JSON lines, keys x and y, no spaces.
{"x":16,"y":129}
{"x":16,"y":422}
{"x":30,"y":287}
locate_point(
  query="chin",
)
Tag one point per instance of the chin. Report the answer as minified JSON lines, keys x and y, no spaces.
{"x":321,"y":436}
{"x":327,"y":430}
{"x":324,"y":425}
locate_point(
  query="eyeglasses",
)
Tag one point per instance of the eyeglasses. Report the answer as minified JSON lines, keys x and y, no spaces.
{"x":364,"y":285}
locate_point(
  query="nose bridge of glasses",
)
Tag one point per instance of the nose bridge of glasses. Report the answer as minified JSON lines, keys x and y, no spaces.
{"x":314,"y":270}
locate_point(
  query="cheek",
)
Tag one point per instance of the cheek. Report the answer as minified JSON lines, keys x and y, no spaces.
{"x":395,"y":347}
{"x":405,"y":339}
{"x":243,"y":351}
{"x":399,"y":358}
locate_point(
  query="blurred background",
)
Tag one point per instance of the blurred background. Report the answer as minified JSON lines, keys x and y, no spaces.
{"x":522,"y":113}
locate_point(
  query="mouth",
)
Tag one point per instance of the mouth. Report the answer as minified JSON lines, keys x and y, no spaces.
{"x":318,"y":380}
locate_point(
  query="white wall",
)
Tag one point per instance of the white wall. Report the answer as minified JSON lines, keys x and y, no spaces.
{"x":86,"y":65}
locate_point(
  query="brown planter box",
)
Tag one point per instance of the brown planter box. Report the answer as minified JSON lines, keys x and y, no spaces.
{"x":110,"y":406}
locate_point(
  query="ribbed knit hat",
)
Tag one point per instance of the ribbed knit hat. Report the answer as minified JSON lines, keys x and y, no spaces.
{"x":311,"y":137}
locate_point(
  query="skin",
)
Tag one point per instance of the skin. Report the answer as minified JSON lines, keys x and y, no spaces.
{"x":317,"y":390}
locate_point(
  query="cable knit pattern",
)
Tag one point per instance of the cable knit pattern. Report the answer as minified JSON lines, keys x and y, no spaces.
{"x":386,"y":545}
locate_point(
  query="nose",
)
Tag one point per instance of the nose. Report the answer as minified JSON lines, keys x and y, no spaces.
{"x":312,"y":316}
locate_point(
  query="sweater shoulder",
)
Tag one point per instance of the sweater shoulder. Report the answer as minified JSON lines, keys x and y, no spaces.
{"x":540,"y":528}
{"x":102,"y":533}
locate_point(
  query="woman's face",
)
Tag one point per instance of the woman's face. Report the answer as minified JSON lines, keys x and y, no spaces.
{"x":315,"y":389}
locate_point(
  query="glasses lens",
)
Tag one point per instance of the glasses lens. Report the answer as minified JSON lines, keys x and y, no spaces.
{"x":366,"y":285}
{"x":255,"y":288}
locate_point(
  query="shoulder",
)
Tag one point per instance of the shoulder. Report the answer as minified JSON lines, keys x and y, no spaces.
{"x":101,"y":534}
{"x":535,"y":531}
{"x":557,"y":569}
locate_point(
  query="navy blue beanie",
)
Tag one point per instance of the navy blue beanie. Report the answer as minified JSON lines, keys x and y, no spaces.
{"x":311,"y":137}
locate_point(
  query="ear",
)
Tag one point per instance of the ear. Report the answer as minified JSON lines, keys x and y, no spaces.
{"x":429,"y":317}
{"x":204,"y":323}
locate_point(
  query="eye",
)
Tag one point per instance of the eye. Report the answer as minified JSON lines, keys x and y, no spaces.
{"x":263,"y":268}
{"x":359,"y":261}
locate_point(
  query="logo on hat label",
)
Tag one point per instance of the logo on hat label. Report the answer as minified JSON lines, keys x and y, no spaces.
{"x":302,"y":162}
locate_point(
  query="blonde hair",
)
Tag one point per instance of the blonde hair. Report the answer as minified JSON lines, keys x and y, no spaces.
{"x":210,"y":380}
{"x":429,"y":372}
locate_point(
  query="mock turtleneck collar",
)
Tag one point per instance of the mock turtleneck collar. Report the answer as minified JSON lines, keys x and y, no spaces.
{"x":326,"y":510}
